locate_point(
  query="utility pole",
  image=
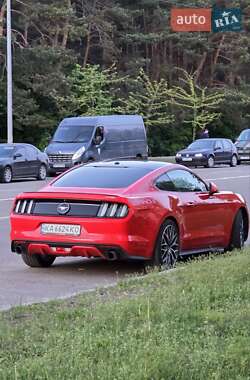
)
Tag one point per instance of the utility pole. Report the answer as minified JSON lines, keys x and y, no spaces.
{"x":9,"y":76}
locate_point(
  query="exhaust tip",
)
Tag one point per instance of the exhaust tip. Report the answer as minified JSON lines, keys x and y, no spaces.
{"x":111,"y":255}
{"x":19,"y":249}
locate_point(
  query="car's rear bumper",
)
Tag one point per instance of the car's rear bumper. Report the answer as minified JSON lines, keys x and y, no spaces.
{"x":97,"y":239}
{"x":107,"y":252}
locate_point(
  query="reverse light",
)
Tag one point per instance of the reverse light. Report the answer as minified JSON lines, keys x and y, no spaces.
{"x":79,"y":153}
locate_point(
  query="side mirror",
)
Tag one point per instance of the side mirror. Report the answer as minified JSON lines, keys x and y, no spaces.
{"x":98,"y":143}
{"x":213,"y":188}
{"x":217,"y":148}
{"x":17,"y":155}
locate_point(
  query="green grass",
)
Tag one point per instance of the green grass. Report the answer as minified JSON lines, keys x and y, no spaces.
{"x":189,"y":323}
{"x":170,"y":159}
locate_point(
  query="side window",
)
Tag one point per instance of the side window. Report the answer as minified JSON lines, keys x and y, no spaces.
{"x":227,"y":145}
{"x":99,"y":135}
{"x":20,"y":151}
{"x":31,"y":153}
{"x":185,"y":181}
{"x":218,"y":145}
{"x":164,"y":183}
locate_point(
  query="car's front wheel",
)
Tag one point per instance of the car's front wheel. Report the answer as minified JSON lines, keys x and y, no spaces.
{"x":7,"y":175}
{"x":38,"y":261}
{"x":234,"y":161}
{"x":210,"y":162}
{"x":42,"y":174}
{"x":238,"y":232}
{"x":167,"y":248}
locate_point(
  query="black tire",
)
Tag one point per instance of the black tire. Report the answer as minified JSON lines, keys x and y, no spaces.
{"x":52,"y":173}
{"x":38,"y":261}
{"x":210,"y":162}
{"x":239,"y":162}
{"x":7,"y":175}
{"x":167,"y":248}
{"x":238,"y":232}
{"x":42,"y":173}
{"x":234,"y":161}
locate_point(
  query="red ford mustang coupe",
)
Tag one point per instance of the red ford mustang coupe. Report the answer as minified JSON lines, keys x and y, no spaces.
{"x":127,"y":210}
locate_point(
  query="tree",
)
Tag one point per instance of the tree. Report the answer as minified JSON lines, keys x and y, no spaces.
{"x":150,"y":100}
{"x":202,"y":105}
{"x":92,"y":92}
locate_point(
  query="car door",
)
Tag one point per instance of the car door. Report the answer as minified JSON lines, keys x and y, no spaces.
{"x":33,"y":162}
{"x":219,"y":154}
{"x":20,"y":165}
{"x":228,"y":149}
{"x":203,"y":215}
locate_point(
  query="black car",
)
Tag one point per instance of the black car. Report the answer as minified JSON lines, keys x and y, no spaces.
{"x":22,"y":160}
{"x":208,"y":152}
{"x":243,"y":145}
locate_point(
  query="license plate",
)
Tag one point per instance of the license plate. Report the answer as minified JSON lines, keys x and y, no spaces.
{"x":59,"y":165}
{"x":245,"y":157}
{"x":61,"y":229}
{"x":186,"y":159}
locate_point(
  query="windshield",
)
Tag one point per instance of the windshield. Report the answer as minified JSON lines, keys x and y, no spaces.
{"x":202,"y":144}
{"x":73,"y":134}
{"x":244,"y":136}
{"x":6,"y":151}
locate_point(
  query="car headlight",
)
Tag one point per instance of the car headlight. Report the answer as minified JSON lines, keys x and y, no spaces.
{"x":198,"y":155}
{"x":79,"y":153}
{"x":178,"y":155}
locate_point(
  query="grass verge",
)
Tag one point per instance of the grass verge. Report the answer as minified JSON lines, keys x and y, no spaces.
{"x":189,"y":323}
{"x":170,"y":159}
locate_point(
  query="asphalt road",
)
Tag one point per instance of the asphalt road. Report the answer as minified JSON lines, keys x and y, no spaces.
{"x":22,"y":285}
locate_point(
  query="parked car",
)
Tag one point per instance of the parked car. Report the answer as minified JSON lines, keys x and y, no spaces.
{"x":243,"y":145}
{"x":208,"y":152}
{"x":85,"y":139}
{"x":139,"y":210}
{"x":22,"y":161}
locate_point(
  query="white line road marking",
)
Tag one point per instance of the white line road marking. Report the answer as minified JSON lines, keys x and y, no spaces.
{"x":7,"y":199}
{"x":226,"y":178}
{"x":4,"y":217}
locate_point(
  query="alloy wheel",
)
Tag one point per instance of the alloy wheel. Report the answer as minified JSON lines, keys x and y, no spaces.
{"x":169,"y":249}
{"x":210,"y":162}
{"x":42,"y":172}
{"x":242,"y":233}
{"x":234,"y":161}
{"x":7,"y":175}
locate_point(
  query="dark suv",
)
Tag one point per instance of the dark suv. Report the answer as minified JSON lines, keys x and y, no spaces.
{"x":243,"y":145}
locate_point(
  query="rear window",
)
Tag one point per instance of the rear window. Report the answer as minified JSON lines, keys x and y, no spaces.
{"x":102,"y":177}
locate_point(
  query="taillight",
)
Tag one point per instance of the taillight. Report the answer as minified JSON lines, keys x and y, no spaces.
{"x":24,"y":206}
{"x":112,"y":210}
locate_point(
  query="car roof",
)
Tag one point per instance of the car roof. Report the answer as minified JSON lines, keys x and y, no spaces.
{"x":98,"y":120}
{"x":214,"y":139}
{"x":122,"y":164}
{"x":17,"y":145}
